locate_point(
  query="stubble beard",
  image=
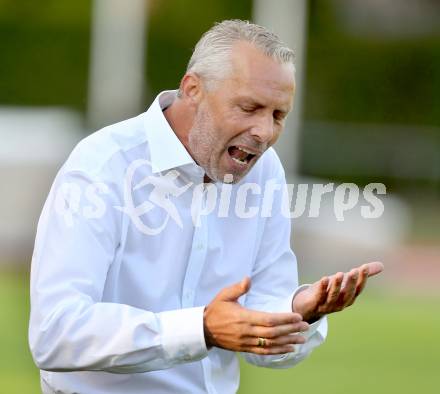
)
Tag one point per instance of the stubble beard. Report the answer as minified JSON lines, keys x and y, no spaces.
{"x":202,"y":141}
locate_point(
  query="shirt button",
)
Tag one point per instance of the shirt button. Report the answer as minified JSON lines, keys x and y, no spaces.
{"x":200,"y":246}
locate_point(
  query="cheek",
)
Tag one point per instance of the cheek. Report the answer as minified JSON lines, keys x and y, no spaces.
{"x":276,"y":135}
{"x":236,"y":124}
{"x":226,"y":131}
{"x":233,"y":116}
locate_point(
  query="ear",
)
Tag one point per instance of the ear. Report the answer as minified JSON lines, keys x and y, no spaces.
{"x":191,"y":88}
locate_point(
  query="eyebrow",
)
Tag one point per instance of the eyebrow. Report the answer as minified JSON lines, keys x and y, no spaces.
{"x":251,"y":101}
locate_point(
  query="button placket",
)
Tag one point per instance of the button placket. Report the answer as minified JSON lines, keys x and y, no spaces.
{"x":196,"y":259}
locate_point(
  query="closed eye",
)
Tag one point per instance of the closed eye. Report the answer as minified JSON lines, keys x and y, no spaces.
{"x":279,"y":116}
{"x":248,"y":110}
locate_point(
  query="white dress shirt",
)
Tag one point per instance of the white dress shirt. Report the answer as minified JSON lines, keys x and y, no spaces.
{"x":119,"y":283}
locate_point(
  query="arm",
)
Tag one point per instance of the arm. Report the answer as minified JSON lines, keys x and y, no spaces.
{"x":70,"y":327}
{"x":273,"y":276}
{"x":275,"y":284}
{"x":269,"y":303}
{"x":279,"y":298}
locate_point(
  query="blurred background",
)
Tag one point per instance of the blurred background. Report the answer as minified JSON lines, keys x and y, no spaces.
{"x":367,"y":110}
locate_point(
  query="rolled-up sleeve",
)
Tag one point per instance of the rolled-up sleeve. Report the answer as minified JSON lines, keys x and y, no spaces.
{"x":70,"y":327}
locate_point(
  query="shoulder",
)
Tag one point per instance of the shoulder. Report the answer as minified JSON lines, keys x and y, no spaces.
{"x":109,"y":149}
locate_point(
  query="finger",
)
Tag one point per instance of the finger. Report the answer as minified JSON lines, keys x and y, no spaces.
{"x":275,"y":342}
{"x":348,"y":293}
{"x":273,"y":332}
{"x":335,"y":288}
{"x":322,"y":290}
{"x":374,"y":268}
{"x":344,"y":280}
{"x":267,"y":319}
{"x":232,"y":293}
{"x":270,"y":350}
{"x":286,"y":340}
{"x":362,"y":281}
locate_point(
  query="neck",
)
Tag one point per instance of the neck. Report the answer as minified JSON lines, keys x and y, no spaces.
{"x":179,"y":117}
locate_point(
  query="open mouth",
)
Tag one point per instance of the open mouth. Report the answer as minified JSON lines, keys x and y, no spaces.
{"x":240,"y":155}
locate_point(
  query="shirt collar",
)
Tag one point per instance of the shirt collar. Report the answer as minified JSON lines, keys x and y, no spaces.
{"x":166,"y":150}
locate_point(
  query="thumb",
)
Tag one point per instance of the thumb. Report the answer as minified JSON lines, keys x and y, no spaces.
{"x":233,"y":292}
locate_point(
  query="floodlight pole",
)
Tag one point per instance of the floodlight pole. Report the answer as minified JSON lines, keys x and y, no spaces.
{"x":116,"y":76}
{"x":288,"y":19}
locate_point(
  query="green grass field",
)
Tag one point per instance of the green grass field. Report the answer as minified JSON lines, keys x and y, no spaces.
{"x":18,"y":375}
{"x":382,"y":345}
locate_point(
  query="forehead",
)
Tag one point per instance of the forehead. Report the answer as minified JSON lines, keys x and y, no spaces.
{"x":253,"y":73}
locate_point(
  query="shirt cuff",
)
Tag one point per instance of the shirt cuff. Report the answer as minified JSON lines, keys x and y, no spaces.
{"x":319,"y":325}
{"x":315,"y":335}
{"x":287,"y":304}
{"x":183,"y":338}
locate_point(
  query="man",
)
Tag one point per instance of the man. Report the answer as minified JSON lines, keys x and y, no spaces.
{"x":138,"y":284}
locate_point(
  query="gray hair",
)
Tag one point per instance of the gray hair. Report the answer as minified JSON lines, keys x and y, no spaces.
{"x":211,"y":57}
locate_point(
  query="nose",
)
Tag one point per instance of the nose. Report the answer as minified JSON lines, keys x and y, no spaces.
{"x":263,"y":131}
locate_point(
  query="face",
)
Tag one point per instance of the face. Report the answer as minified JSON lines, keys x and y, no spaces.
{"x":243,"y":115}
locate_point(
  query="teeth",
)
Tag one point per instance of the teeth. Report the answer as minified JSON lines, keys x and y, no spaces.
{"x":244,"y":150}
{"x":239,"y":161}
